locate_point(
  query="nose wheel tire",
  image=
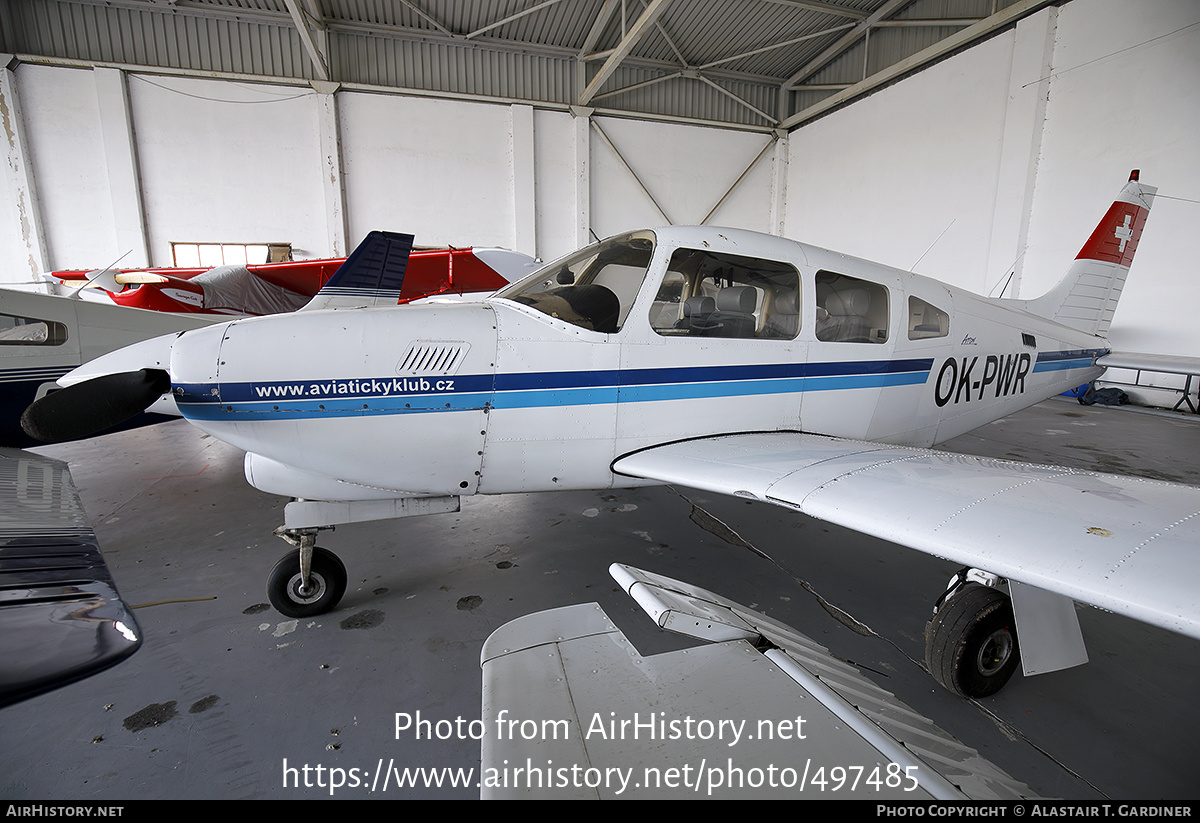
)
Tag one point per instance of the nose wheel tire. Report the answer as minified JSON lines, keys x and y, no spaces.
{"x":971,"y":643}
{"x":326,"y":584}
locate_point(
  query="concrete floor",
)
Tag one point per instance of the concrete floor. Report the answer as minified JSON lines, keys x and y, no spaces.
{"x":225,"y":691}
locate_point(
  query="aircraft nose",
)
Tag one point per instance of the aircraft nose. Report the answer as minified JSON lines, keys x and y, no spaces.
{"x":195,"y":361}
{"x":107,"y":391}
{"x":393,"y":398}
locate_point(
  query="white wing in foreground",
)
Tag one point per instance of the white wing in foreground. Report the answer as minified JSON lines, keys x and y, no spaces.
{"x":760,"y":712}
{"x":1128,"y":545}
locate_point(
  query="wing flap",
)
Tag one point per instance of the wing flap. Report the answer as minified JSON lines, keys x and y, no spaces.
{"x":616,"y":724}
{"x":1119,"y":543}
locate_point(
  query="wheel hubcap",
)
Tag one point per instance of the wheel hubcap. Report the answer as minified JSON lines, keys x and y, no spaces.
{"x":994,"y":652}
{"x":300,"y":593}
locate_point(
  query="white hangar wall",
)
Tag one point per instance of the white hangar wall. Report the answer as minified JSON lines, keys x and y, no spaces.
{"x":1014,"y":149}
{"x":438,"y":169}
{"x":105,"y":162}
{"x":225,"y":163}
{"x":65,"y":145}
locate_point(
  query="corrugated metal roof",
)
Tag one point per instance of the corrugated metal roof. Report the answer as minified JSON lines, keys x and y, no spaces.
{"x":745,"y":63}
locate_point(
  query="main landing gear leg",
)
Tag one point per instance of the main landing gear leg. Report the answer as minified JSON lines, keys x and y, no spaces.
{"x":971,"y":641}
{"x":308,"y":582}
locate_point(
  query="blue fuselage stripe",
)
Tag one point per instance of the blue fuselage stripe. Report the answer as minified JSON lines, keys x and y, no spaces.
{"x":290,"y":400}
{"x":1067,"y":360}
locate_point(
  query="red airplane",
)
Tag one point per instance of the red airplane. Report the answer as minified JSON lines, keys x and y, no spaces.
{"x":273,"y":288}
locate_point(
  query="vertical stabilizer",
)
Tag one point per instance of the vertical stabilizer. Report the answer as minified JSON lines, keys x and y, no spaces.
{"x":1086,"y":298}
{"x":371,"y":276}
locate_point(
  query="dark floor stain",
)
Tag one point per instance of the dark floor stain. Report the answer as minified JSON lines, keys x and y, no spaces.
{"x":256,"y":608}
{"x":380,"y":590}
{"x":504,"y":564}
{"x":367,"y":619}
{"x":153,"y":715}
{"x":472,"y":601}
{"x":203,"y":704}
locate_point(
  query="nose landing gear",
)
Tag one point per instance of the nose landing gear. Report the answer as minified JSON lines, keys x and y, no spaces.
{"x":308,"y":582}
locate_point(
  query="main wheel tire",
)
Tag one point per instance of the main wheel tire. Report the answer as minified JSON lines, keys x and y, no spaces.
{"x":971,"y":643}
{"x":327,"y":584}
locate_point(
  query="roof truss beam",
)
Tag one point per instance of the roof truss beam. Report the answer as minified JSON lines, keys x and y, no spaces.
{"x":631,"y":38}
{"x":641,"y":85}
{"x":671,"y":43}
{"x":826,"y":8}
{"x":1004,"y":17}
{"x":597,"y":29}
{"x":779,"y":45}
{"x":845,"y":42}
{"x":417,"y":11}
{"x":316,"y":42}
{"x":512,"y":17}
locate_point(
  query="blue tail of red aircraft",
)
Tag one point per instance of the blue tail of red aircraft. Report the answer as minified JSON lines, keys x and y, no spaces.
{"x":371,"y":276}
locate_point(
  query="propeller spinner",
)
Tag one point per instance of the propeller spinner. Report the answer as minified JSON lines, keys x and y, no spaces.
{"x":92,"y":406}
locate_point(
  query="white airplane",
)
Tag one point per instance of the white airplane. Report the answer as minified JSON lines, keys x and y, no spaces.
{"x":720,"y":359}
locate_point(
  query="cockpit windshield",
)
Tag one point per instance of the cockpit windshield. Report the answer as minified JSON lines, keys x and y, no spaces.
{"x":594,"y":288}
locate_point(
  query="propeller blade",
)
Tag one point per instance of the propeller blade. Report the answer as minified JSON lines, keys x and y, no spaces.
{"x":94,"y":405}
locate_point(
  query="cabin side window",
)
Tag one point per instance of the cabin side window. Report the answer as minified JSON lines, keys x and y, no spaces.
{"x":926,"y":320}
{"x":850,"y":310}
{"x":29,"y":331}
{"x":713,"y":294}
{"x":594,"y":288}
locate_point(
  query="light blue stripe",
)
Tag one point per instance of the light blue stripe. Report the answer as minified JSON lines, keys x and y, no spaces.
{"x":536,"y":398}
{"x":286,"y":409}
{"x":283,"y":409}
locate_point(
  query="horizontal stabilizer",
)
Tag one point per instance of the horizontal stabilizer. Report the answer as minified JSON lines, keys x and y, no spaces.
{"x":1163,"y":363}
{"x":371,"y":276}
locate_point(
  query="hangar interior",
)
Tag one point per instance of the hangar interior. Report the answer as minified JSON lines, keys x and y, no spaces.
{"x":973,"y":152}
{"x":974,"y":141}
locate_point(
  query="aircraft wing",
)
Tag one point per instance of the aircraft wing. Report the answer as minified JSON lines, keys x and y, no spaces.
{"x":61,"y":618}
{"x":1127,"y":545}
{"x":572,"y":711}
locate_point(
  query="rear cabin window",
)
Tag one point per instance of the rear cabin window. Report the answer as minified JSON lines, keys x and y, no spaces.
{"x":850,"y":310}
{"x":29,"y":331}
{"x":926,"y":320}
{"x":713,"y":294}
